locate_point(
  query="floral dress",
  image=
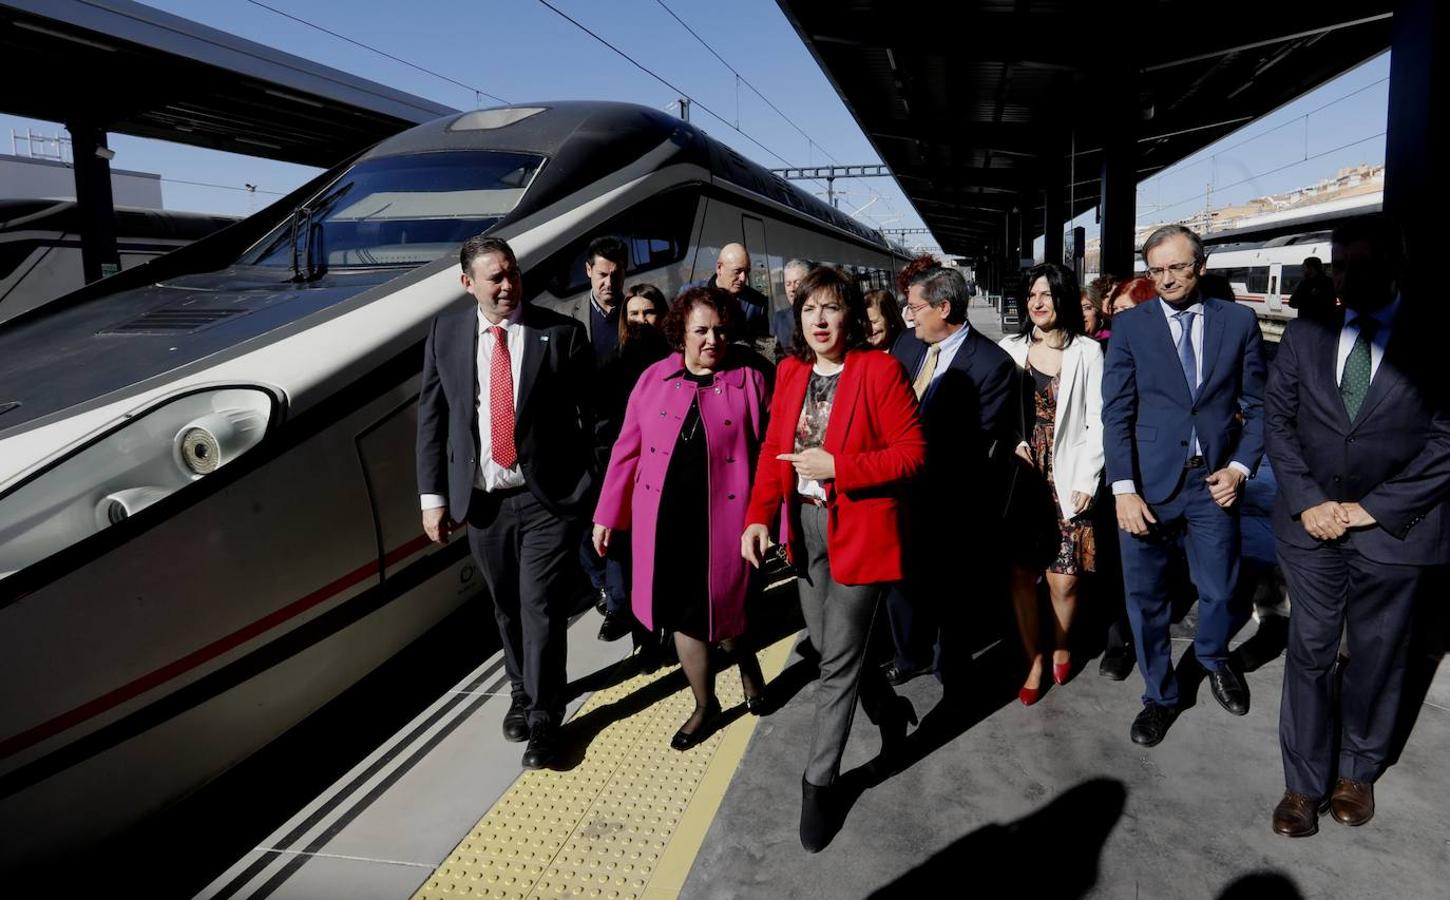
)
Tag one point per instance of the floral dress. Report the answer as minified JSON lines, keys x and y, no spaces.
{"x":1076,"y":548}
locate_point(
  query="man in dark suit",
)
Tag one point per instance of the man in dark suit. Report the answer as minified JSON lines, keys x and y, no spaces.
{"x":605,"y":262}
{"x":503,"y":445}
{"x":1359,"y":435}
{"x":966,"y":385}
{"x":1183,"y":430}
{"x":732,"y":275}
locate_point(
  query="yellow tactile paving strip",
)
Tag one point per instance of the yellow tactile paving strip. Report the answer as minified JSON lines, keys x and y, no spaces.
{"x":626,"y":822}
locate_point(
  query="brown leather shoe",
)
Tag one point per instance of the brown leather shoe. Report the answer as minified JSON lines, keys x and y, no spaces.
{"x":1352,"y":802}
{"x":1297,"y":815}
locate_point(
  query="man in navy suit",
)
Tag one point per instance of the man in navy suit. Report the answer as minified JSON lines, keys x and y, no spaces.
{"x":503,"y":445}
{"x":1359,"y":434}
{"x":966,"y":385}
{"x":1183,"y":430}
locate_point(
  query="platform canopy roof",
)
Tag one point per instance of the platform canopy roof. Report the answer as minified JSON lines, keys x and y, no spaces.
{"x":131,"y":69}
{"x":976,"y":105}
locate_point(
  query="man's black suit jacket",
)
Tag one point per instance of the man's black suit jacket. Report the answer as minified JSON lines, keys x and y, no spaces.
{"x":553,"y":425}
{"x":970,"y":417}
{"x":1394,"y":458}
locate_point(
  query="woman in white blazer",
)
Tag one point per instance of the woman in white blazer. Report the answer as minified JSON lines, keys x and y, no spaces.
{"x":1062,"y":455}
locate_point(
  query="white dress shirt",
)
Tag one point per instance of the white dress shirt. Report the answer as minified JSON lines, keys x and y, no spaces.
{"x":944,"y":356}
{"x":1350,"y":333}
{"x":1175,"y":329}
{"x":490,"y":476}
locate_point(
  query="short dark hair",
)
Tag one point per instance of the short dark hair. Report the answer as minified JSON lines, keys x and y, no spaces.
{"x":609,"y":247}
{"x":1381,"y":232}
{"x":1312,"y":261}
{"x":482,"y":245}
{"x":841,"y":286}
{"x":942,"y":285}
{"x":1066,"y":300}
{"x":685,"y":304}
{"x":1168,"y":232}
{"x":885,"y":301}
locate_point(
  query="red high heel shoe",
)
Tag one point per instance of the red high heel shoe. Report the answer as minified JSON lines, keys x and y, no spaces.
{"x":1029,"y":696}
{"x":1061,"y":671}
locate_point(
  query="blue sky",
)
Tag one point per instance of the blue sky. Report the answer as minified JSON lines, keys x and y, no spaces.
{"x":521,"y":51}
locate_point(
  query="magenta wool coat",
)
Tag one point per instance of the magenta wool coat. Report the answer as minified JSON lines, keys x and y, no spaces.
{"x":732,"y":412}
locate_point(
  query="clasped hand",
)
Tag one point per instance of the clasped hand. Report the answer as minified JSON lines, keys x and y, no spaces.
{"x":1331,"y":519}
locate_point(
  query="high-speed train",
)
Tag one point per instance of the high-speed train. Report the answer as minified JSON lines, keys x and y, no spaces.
{"x":209,"y":524}
{"x":40,"y":246}
{"x":1263,"y":259}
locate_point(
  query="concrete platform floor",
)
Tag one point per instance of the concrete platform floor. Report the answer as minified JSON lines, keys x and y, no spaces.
{"x":1055,"y":801}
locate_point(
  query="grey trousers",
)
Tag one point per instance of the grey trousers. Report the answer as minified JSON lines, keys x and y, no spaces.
{"x":840,"y":619}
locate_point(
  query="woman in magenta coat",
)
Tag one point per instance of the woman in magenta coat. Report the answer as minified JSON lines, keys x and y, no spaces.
{"x":679,"y":479}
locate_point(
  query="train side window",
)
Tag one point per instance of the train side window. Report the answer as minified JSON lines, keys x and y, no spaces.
{"x":1289,"y":277}
{"x":657,"y":232}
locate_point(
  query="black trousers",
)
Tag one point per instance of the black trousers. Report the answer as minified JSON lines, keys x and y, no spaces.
{"x":526,"y":554}
{"x":1330,"y":586}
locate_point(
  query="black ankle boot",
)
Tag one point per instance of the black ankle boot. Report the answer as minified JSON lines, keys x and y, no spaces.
{"x":817,"y":816}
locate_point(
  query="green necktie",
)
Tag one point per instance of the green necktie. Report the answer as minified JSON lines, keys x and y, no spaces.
{"x":1354,"y":384}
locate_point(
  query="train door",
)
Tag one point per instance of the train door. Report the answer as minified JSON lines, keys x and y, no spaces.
{"x":754,"y":231}
{"x":1272,"y":296}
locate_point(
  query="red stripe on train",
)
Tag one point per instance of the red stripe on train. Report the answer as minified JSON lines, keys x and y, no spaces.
{"x":28,"y":738}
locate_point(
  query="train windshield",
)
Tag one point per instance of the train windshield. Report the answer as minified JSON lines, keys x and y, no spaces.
{"x":399,"y":211}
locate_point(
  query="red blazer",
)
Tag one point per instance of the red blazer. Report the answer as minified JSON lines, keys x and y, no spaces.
{"x":877,"y":442}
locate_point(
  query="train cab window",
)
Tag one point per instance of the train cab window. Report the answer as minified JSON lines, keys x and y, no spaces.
{"x":400,"y":210}
{"x":657,"y":232}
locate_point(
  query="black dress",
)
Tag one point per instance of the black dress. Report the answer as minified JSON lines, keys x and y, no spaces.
{"x":682,"y":531}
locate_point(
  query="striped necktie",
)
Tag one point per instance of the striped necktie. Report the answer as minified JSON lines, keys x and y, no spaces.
{"x":928,"y":369}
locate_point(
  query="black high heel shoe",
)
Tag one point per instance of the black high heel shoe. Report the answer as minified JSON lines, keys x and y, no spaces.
{"x":684,"y":740}
{"x":758,"y":705}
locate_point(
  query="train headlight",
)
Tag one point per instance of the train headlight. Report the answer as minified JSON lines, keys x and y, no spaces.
{"x":143,"y":460}
{"x":218,"y":438}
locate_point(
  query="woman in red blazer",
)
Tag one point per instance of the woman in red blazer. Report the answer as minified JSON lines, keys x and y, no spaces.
{"x":842,"y":442}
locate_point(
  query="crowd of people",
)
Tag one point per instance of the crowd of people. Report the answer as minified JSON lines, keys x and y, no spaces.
{"x":908,"y":466}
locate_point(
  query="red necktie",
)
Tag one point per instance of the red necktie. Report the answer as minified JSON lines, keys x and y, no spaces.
{"x":501,"y":402}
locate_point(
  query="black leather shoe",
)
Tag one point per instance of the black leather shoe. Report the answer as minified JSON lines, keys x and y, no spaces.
{"x":759,"y":705}
{"x":1118,"y":662}
{"x":543,"y":744}
{"x":616,"y":626}
{"x":684,"y":740}
{"x":601,"y":603}
{"x":899,"y":676}
{"x":1230,"y":690}
{"x":817,"y":816}
{"x":516,"y":721}
{"x":1152,"y":724}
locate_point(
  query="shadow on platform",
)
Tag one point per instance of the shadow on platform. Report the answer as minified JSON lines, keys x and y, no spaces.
{"x":1014,"y":853}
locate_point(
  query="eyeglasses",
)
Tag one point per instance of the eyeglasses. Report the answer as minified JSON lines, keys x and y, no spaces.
{"x":1182,"y":268}
{"x":916,"y":308}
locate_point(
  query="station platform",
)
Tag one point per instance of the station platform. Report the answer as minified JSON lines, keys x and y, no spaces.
{"x":1051,"y":800}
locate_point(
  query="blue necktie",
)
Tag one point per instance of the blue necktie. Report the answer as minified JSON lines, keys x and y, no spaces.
{"x":1189,"y":361}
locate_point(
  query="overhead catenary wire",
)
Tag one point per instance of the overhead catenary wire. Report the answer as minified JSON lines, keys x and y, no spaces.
{"x":741,"y":78}
{"x":372,"y":49}
{"x":1242,"y":181}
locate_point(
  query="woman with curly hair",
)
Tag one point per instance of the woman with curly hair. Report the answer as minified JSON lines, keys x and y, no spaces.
{"x":678,"y":479}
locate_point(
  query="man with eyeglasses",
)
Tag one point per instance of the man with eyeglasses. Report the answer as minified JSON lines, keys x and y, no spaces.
{"x":965,"y":385}
{"x":1183,"y":429}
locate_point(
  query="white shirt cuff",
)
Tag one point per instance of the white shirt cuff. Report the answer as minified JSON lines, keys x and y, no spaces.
{"x":1124,"y":487}
{"x":1242,"y":468}
{"x":434,"y":501}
